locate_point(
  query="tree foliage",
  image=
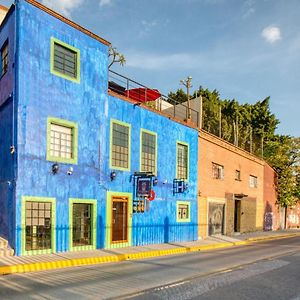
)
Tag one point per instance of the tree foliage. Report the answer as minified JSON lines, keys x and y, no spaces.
{"x":115,"y":57}
{"x":283,"y":153}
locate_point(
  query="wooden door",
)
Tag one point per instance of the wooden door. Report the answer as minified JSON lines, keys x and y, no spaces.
{"x":119,"y":219}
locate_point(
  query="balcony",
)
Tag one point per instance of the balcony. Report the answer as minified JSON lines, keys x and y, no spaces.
{"x":152,"y":98}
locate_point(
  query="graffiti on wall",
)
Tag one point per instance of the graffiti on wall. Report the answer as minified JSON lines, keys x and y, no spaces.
{"x":268,"y":221}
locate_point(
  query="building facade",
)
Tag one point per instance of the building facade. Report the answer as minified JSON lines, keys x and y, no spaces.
{"x":230,"y":188}
{"x":79,"y":165}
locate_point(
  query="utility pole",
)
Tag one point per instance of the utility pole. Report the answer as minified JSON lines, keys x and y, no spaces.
{"x":220,"y":121}
{"x":188,"y":84}
{"x":201,"y":112}
{"x":251,"y":141}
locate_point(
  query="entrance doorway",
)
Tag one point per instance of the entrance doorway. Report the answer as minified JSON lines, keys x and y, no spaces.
{"x":119,"y":226}
{"x":237,"y":215}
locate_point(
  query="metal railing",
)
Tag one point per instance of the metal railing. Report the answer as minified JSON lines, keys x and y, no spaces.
{"x":129,"y":88}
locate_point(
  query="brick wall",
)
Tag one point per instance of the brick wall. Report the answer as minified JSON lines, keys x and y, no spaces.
{"x":213,"y":149}
{"x":202,"y":217}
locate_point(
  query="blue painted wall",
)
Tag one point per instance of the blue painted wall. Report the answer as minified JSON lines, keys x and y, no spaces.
{"x":159,"y":224}
{"x":42,"y":94}
{"x":7,"y":134}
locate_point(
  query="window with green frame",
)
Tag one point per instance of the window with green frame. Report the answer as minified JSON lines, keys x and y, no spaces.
{"x":183,"y":210}
{"x":65,"y":60}
{"x":182,"y":164}
{"x":82,"y":218}
{"x":38,"y":225}
{"x":148,"y":151}
{"x":120,"y":145}
{"x":62,"y":141}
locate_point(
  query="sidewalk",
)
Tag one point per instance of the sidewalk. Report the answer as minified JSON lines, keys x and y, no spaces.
{"x":10,"y":265}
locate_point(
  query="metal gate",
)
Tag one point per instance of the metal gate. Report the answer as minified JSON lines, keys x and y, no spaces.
{"x":216,"y":218}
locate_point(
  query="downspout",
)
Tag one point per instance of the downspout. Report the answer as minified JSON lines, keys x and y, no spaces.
{"x":14,"y":148}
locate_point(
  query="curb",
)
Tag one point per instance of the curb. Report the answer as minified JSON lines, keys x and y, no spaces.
{"x":60,"y":264}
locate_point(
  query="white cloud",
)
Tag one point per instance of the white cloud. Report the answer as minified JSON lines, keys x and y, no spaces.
{"x":104,"y":2}
{"x":65,"y":7}
{"x":271,"y":34}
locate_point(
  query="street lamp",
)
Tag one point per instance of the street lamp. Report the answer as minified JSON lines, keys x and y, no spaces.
{"x":188,"y":84}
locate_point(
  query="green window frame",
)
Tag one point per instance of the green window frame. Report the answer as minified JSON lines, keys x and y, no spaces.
{"x":182,"y":160}
{"x":93,"y":203}
{"x":183,"y":211}
{"x":64,"y":60}
{"x":148,"y":151}
{"x":120,"y":145}
{"x":60,"y":142}
{"x":33,"y":199}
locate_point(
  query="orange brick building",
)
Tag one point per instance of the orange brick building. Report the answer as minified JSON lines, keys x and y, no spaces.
{"x":231,"y":188}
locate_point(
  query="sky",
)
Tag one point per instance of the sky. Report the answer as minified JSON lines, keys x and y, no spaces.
{"x":246,"y":49}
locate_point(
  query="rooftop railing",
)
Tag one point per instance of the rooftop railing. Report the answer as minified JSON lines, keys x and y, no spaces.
{"x":150,"y":97}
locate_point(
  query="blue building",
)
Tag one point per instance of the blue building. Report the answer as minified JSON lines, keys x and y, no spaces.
{"x":79,"y":164}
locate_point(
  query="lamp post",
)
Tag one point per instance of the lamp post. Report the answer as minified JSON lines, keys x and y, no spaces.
{"x":188,"y":84}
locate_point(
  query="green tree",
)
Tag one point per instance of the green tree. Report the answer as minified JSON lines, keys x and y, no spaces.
{"x":283,"y":154}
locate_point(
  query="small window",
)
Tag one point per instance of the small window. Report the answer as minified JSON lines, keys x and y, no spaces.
{"x":253,"y":181}
{"x":183,"y":211}
{"x":4,"y":58}
{"x":238,"y":175}
{"x":217,"y":171}
{"x":65,"y":60}
{"x":182,"y":161}
{"x":120,"y":145}
{"x":148,"y":152}
{"x":62,"y":141}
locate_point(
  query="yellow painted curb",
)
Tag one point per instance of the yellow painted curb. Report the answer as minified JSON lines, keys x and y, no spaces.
{"x":44,"y":266}
{"x":272,"y":237}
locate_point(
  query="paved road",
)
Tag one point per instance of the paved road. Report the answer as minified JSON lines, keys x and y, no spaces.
{"x":267,"y":270}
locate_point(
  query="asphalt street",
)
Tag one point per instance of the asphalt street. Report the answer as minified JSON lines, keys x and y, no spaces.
{"x":265,"y":270}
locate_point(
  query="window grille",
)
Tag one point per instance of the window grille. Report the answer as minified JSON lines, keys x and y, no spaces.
{"x":217,"y":171}
{"x":82,"y":224}
{"x":65,"y":60}
{"x":4,"y":58}
{"x":182,"y":161}
{"x":61,"y":141}
{"x":38,"y":225}
{"x":148,"y":152}
{"x":120,"y":146}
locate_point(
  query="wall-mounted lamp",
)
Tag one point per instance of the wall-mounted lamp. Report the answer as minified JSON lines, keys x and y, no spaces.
{"x":70,"y":171}
{"x":55,"y":168}
{"x":113,"y":175}
{"x":12,"y":149}
{"x":155,"y":181}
